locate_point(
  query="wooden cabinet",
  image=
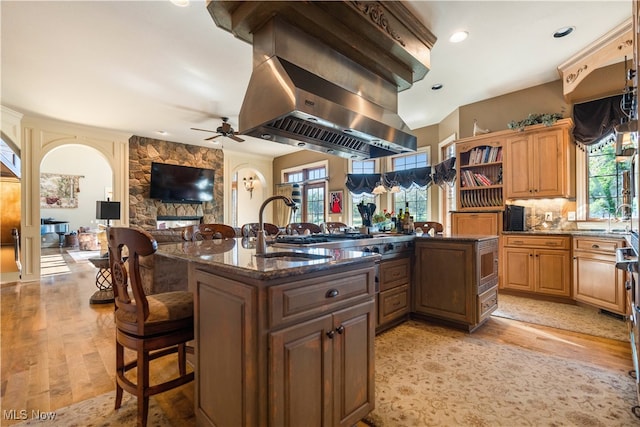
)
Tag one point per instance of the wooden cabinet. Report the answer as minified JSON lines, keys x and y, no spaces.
{"x":286,"y":352}
{"x":484,"y":223}
{"x":456,"y":280}
{"x":596,"y":281}
{"x":393,"y":301}
{"x":538,"y":264}
{"x":479,"y":178}
{"x":537,"y":162}
{"x":316,"y":369}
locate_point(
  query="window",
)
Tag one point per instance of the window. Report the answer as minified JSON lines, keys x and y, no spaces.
{"x":604,"y":183}
{"x":364,"y":166}
{"x":416,"y":197}
{"x":312,"y":185}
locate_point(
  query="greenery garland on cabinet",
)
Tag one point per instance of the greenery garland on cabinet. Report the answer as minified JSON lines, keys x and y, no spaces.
{"x":546,"y":119}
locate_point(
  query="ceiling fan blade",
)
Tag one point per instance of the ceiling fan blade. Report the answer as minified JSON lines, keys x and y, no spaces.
{"x":235,"y":138}
{"x":204,"y":130}
{"x":212,"y":137}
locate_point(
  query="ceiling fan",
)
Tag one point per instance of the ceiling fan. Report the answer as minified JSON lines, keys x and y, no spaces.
{"x":224,"y":129}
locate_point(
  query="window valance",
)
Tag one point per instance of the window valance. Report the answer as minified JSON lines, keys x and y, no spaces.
{"x":405,"y":179}
{"x":594,"y":122}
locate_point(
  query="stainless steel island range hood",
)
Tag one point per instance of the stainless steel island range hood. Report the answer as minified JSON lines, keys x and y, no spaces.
{"x":306,"y":93}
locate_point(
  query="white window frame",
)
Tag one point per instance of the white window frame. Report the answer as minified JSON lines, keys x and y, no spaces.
{"x":313,"y":165}
{"x":388,"y":167}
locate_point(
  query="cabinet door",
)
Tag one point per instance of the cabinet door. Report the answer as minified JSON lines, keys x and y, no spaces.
{"x":475,"y":223}
{"x":596,"y":281}
{"x":353,"y":362}
{"x":300,"y":374}
{"x":518,"y":167}
{"x":518,"y":269}
{"x":549,"y":158}
{"x":552,"y":270}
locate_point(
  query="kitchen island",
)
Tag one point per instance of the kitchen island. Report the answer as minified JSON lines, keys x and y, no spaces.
{"x":285,"y":338}
{"x":456,"y":279}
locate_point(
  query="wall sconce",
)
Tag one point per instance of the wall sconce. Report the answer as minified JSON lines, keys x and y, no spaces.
{"x":248,"y":185}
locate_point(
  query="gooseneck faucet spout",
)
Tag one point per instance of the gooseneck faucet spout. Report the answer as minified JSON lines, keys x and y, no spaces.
{"x":261,"y":238}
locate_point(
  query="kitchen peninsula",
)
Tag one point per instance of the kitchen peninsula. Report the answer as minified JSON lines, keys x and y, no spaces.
{"x":288,"y":336}
{"x":281,"y":338}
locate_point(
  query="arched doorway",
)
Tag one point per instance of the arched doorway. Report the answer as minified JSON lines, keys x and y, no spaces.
{"x":92,"y":176}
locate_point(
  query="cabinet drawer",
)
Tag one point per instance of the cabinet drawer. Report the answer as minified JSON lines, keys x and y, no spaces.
{"x":606,"y":246}
{"x":547,"y":242}
{"x":312,"y":297}
{"x":393,"y":304}
{"x":487,"y":303}
{"x":394,"y":273}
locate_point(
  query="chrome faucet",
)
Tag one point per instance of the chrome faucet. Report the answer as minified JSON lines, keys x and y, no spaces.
{"x":261,"y":238}
{"x":626,"y":213}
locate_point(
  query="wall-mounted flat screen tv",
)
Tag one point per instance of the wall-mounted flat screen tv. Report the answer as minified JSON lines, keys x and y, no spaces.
{"x":181,"y":184}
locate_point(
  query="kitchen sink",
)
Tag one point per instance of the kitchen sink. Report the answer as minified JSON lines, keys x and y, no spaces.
{"x":294,"y":256}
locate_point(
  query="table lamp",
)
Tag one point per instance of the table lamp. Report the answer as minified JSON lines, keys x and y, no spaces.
{"x":107,"y":210}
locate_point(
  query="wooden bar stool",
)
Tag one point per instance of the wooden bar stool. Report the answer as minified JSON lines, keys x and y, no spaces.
{"x":152,"y":325}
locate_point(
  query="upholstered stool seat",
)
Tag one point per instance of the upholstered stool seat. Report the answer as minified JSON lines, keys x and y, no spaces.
{"x":169,"y":307}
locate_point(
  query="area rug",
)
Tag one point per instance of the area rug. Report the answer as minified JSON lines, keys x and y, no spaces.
{"x":98,"y":412}
{"x":83,"y":256}
{"x":53,"y":264}
{"x":562,"y":316}
{"x":435,"y":376}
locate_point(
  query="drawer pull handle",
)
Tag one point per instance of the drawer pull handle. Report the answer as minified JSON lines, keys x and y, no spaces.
{"x":594,"y":246}
{"x":332,"y":293}
{"x":340,"y":329}
{"x":331,"y":334}
{"x":551,"y":243}
{"x":518,"y":242}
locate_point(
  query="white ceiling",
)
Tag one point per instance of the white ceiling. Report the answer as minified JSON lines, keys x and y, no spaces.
{"x":144,"y":66}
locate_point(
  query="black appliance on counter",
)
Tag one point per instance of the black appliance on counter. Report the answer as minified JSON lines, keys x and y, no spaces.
{"x":514,"y":218}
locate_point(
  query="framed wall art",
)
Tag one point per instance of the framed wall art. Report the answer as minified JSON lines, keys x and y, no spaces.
{"x":59,"y":191}
{"x":335,"y":202}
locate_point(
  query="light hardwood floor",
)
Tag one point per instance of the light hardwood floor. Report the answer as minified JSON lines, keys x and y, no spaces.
{"x":57,"y":349}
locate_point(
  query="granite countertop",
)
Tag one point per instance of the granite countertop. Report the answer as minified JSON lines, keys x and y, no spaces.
{"x":600,"y":233}
{"x":238,"y":256}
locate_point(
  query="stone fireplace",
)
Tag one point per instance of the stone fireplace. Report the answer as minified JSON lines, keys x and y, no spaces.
{"x":149,"y":213}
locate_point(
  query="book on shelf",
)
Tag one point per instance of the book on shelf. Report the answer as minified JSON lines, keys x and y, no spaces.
{"x":470,"y":179}
{"x":480,"y":155}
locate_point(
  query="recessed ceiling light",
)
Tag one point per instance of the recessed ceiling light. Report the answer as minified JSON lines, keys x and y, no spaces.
{"x":437,"y":86}
{"x":562,"y":32}
{"x":181,"y":3}
{"x":161,"y":132}
{"x":458,"y":36}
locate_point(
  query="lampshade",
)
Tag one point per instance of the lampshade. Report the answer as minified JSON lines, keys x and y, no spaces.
{"x":379,"y":189}
{"x":107,"y":210}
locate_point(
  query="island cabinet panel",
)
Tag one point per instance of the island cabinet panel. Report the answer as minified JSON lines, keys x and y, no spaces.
{"x":393,"y":301}
{"x":456,"y":280}
{"x":596,"y":280}
{"x":226,"y":352}
{"x":290,"y":351}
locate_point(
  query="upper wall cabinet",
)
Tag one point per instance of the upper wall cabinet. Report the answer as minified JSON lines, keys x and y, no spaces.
{"x":537,"y":162}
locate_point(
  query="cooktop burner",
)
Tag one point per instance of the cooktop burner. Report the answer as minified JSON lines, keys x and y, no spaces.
{"x":320,"y":238}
